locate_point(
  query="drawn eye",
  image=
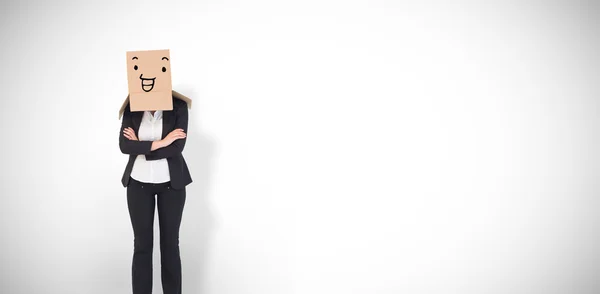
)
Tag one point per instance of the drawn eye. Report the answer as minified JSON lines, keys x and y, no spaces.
{"x":164,"y":69}
{"x":135,"y":67}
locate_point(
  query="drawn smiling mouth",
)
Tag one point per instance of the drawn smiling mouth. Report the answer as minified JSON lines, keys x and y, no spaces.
{"x":147,"y":84}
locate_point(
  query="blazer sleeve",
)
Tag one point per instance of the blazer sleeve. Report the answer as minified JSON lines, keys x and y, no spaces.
{"x":130,"y":146}
{"x":181,"y":122}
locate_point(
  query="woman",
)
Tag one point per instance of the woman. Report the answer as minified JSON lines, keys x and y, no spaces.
{"x":154,"y":141}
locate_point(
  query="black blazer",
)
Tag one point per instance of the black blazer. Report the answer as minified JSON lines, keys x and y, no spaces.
{"x":172,"y":119}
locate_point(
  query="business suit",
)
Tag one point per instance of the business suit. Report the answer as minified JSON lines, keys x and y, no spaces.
{"x":170,"y":200}
{"x":173,"y":119}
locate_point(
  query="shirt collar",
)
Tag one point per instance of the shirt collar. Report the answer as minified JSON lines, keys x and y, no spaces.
{"x":157,"y":115}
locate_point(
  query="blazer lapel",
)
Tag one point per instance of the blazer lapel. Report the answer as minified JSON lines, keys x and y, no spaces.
{"x":166,"y":122}
{"x":136,"y":120}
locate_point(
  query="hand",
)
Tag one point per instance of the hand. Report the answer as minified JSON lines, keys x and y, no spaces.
{"x":130,"y":134}
{"x":174,"y":135}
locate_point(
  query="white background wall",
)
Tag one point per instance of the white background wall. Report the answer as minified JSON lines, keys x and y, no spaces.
{"x":335,"y":146}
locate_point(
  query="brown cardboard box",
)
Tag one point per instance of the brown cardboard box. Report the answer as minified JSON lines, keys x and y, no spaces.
{"x":149,"y":82}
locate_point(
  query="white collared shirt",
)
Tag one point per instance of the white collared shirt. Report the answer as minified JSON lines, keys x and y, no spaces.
{"x":150,"y":171}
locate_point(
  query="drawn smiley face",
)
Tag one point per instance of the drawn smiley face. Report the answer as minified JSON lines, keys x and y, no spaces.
{"x":147,"y":84}
{"x":149,"y":79}
{"x":149,"y":71}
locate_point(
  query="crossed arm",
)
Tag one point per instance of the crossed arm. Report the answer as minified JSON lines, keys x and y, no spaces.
{"x":169,"y":146}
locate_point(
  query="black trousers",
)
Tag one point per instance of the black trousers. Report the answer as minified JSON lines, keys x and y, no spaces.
{"x":141,"y":203}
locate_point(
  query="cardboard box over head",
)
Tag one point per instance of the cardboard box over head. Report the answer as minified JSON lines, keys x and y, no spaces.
{"x":149,"y":81}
